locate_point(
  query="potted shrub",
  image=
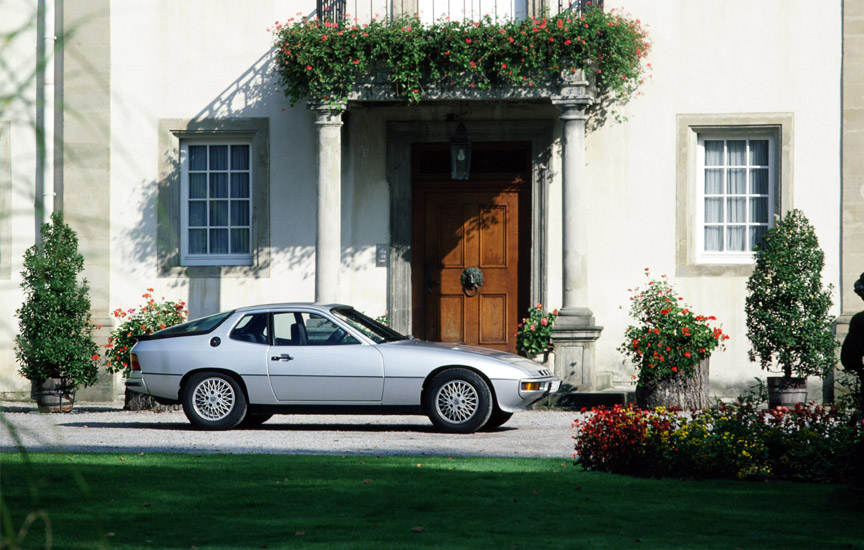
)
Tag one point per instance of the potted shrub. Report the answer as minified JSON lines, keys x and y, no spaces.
{"x":534,"y":334}
{"x":670,"y":346}
{"x":788,"y":320}
{"x":54,"y":346}
{"x":146,"y":319}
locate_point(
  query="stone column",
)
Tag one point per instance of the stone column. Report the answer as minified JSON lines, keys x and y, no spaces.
{"x":575,"y":331}
{"x":328,"y":253}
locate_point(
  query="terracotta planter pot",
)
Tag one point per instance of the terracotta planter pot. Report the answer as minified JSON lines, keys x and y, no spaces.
{"x":684,"y":392}
{"x":54,"y":395}
{"x":786,"y":392}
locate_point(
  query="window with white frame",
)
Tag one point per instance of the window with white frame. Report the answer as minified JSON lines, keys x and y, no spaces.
{"x":737,"y":184}
{"x":216,"y":202}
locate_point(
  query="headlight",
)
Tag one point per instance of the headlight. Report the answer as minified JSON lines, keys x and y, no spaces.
{"x":530,"y":386}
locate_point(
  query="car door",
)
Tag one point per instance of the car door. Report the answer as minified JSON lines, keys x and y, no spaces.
{"x":314,"y":360}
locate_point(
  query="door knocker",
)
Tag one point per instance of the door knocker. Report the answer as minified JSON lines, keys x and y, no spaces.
{"x":472,"y":278}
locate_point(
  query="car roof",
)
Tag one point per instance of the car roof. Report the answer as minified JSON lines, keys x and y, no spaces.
{"x":290,"y":305}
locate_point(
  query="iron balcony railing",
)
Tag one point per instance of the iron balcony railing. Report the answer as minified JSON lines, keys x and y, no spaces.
{"x":435,"y":10}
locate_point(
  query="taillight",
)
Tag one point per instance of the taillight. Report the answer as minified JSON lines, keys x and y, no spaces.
{"x":133,"y":362}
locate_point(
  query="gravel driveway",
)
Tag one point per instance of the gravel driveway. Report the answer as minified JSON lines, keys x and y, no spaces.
{"x":102,"y":429}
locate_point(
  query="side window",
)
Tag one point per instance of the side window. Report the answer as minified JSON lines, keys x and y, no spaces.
{"x":251,"y":328}
{"x":308,"y":329}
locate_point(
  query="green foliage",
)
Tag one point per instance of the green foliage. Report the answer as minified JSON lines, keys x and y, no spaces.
{"x":323,"y":60}
{"x":669,"y":339}
{"x":808,"y":443}
{"x":147,"y":319}
{"x":55,"y":338}
{"x":788,"y":320}
{"x":535,"y":331}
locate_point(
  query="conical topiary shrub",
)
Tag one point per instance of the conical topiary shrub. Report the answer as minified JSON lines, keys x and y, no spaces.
{"x":788,"y":320}
{"x":55,"y":338}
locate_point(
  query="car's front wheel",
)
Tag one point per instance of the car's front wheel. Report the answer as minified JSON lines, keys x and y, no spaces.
{"x":458,"y":401}
{"x":213,"y":401}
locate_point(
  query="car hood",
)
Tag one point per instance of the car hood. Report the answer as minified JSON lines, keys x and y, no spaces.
{"x":478,"y":352}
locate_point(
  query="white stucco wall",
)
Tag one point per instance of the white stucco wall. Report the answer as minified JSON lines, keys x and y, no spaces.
{"x":189,"y":61}
{"x":197,"y":58}
{"x":730,"y":57}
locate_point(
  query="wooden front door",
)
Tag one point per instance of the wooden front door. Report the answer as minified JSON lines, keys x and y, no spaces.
{"x":458,"y":225}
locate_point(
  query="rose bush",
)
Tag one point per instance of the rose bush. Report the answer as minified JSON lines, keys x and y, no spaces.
{"x":668,"y":339}
{"x":535,"y":331}
{"x":146,"y":319}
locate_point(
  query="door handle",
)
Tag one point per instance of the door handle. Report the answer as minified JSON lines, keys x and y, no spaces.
{"x":283,"y":357}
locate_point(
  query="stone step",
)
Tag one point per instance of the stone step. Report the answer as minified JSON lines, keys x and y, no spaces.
{"x":576,"y":400}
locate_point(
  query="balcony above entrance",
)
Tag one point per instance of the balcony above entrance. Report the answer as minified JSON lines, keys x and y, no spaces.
{"x":340,"y":57}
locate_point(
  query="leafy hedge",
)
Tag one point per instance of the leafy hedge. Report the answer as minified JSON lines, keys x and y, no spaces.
{"x":808,"y":443}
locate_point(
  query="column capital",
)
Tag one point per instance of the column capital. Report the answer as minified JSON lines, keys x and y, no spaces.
{"x":572,"y":108}
{"x":327,"y":114}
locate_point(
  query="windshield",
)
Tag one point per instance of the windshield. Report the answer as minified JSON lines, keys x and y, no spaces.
{"x":370,"y":328}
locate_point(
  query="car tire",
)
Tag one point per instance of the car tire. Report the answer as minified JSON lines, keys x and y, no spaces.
{"x":254,"y":420}
{"x":213,"y":401}
{"x":458,"y":401}
{"x":497,"y":419}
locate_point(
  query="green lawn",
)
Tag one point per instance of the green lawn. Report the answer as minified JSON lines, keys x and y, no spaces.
{"x":281,"y":501}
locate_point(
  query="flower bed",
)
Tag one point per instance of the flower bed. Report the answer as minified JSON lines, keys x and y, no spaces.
{"x":808,"y":443}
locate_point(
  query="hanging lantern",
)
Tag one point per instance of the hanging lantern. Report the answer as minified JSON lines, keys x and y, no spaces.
{"x":460,"y":154}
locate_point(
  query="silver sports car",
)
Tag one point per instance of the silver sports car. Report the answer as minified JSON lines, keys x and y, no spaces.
{"x":243,"y":366}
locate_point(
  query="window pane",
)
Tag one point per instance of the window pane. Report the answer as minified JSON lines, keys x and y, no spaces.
{"x":713,"y":181}
{"x":197,"y":157}
{"x":218,"y":213}
{"x":759,"y":181}
{"x":714,"y":153}
{"x":737,"y":152}
{"x":239,"y":241}
{"x":218,"y":157}
{"x":239,"y":213}
{"x":759,"y":210}
{"x":737,"y":181}
{"x":197,"y":186}
{"x":714,"y":210}
{"x":713,"y":238}
{"x":218,"y":241}
{"x":736,"y":210}
{"x":239,"y":157}
{"x":319,"y":330}
{"x":197,"y":213}
{"x":197,"y":241}
{"x":759,"y":152}
{"x":239,"y":186}
{"x":756,"y":234}
{"x":736,"y":237}
{"x":218,"y":186}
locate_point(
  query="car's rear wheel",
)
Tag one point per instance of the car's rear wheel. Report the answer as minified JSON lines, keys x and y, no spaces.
{"x":213,"y":401}
{"x":458,"y":401}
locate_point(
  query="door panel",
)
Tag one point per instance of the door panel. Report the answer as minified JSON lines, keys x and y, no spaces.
{"x":309,"y":363}
{"x":459,"y":230}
